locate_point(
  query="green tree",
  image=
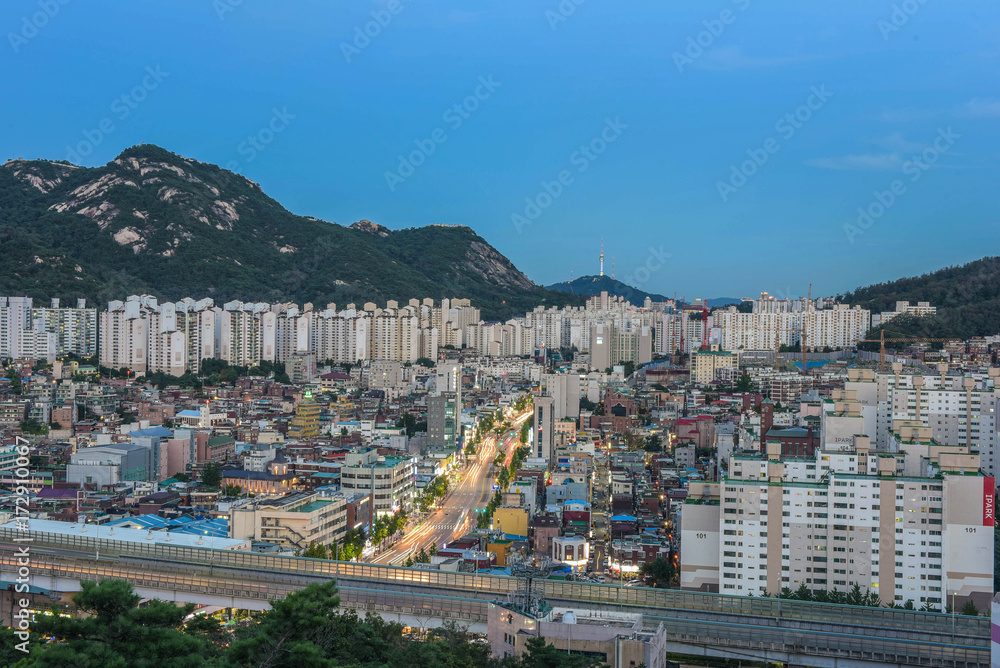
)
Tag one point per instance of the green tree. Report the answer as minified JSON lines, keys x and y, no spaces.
{"x":802,"y":593}
{"x":540,"y":654}
{"x":969,"y":609}
{"x":117,"y":634}
{"x":294,"y":633}
{"x":658,"y":573}
{"x":211,"y":475}
{"x":380,"y":529}
{"x":16,"y":386}
{"x":354,"y":543}
{"x":232,"y":491}
{"x":33,"y":427}
{"x":315,"y":551}
{"x":408,"y":422}
{"x":744,"y":384}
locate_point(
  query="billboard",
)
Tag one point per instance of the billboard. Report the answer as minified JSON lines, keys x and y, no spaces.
{"x":989,"y":501}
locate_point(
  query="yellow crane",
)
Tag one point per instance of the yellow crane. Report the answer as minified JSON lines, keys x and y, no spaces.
{"x":881,"y":340}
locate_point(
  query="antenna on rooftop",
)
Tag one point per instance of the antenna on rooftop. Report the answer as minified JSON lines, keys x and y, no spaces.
{"x":526,"y":597}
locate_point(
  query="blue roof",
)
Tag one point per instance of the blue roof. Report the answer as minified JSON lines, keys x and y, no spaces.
{"x":143,"y":521}
{"x":186,"y":524}
{"x":189,"y":413}
{"x":623,"y":518}
{"x":217,"y":527}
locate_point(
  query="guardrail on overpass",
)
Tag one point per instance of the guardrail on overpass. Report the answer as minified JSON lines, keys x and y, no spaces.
{"x":776,"y":623}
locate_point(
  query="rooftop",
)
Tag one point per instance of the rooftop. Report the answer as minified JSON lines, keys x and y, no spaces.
{"x":129,"y":535}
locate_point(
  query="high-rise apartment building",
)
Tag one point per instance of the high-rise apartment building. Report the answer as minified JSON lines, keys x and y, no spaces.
{"x":783,"y":321}
{"x":544,"y":427}
{"x":914,"y":524}
{"x":958,"y":409}
{"x":444,"y":407}
{"x":27,"y":331}
{"x":564,"y":388}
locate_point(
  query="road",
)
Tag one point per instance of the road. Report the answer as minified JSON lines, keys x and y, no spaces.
{"x":458,"y":515}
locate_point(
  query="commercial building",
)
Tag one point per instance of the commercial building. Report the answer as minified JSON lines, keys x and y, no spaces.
{"x":388,"y":480}
{"x":305,"y":424}
{"x":544,"y":427}
{"x":292,"y":521}
{"x":106,"y":465}
{"x":564,"y":388}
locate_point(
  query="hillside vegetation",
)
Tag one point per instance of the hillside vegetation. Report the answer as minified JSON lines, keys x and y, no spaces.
{"x":967,"y":298}
{"x":154,"y":222}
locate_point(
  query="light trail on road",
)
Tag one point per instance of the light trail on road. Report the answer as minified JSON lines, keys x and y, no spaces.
{"x":457,"y":515}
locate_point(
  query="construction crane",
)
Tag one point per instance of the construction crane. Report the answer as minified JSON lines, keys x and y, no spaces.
{"x":704,"y":327}
{"x":704,"y":322}
{"x":881,"y":340}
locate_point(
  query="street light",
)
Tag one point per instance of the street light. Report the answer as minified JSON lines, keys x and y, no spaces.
{"x":953,"y":593}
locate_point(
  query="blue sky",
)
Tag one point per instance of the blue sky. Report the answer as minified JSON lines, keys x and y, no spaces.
{"x":642,"y":109}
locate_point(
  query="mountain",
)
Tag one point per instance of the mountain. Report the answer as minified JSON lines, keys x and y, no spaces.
{"x":589,"y":286}
{"x":967,"y":298}
{"x":154,"y":222}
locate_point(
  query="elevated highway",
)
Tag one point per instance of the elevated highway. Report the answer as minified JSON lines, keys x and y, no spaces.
{"x":794,"y":632}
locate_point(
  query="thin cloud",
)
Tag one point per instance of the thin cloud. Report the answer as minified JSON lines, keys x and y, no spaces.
{"x":896,"y":142}
{"x":980,"y":108}
{"x":864,"y":161}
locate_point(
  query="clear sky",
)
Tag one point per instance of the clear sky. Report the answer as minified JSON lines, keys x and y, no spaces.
{"x":633,"y":113}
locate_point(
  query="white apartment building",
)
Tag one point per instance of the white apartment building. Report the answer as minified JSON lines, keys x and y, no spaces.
{"x":75,"y":329}
{"x":920,"y":309}
{"x":612,"y":345}
{"x":564,"y":388}
{"x":839,"y":326}
{"x":848,"y":515}
{"x":959,"y":409}
{"x":27,"y":331}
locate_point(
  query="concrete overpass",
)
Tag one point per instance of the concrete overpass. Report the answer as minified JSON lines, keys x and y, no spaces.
{"x":793,"y":632}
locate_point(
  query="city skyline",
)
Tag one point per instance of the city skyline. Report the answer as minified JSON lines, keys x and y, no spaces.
{"x":849,"y":102}
{"x":283,"y":379}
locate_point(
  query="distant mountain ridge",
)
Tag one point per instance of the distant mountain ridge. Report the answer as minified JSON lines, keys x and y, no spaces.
{"x":155,"y":222}
{"x":967,"y":298}
{"x":589,"y":286}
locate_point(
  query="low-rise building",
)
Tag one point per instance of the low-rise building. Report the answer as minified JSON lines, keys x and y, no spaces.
{"x":293,"y":521}
{"x":614,"y":638}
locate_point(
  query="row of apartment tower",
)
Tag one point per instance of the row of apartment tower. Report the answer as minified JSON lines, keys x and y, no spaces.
{"x":899,"y":498}
{"x":144,"y":335}
{"x":31,"y":332}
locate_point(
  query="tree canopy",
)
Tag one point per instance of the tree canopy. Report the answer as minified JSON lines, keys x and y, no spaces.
{"x":305,"y":630}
